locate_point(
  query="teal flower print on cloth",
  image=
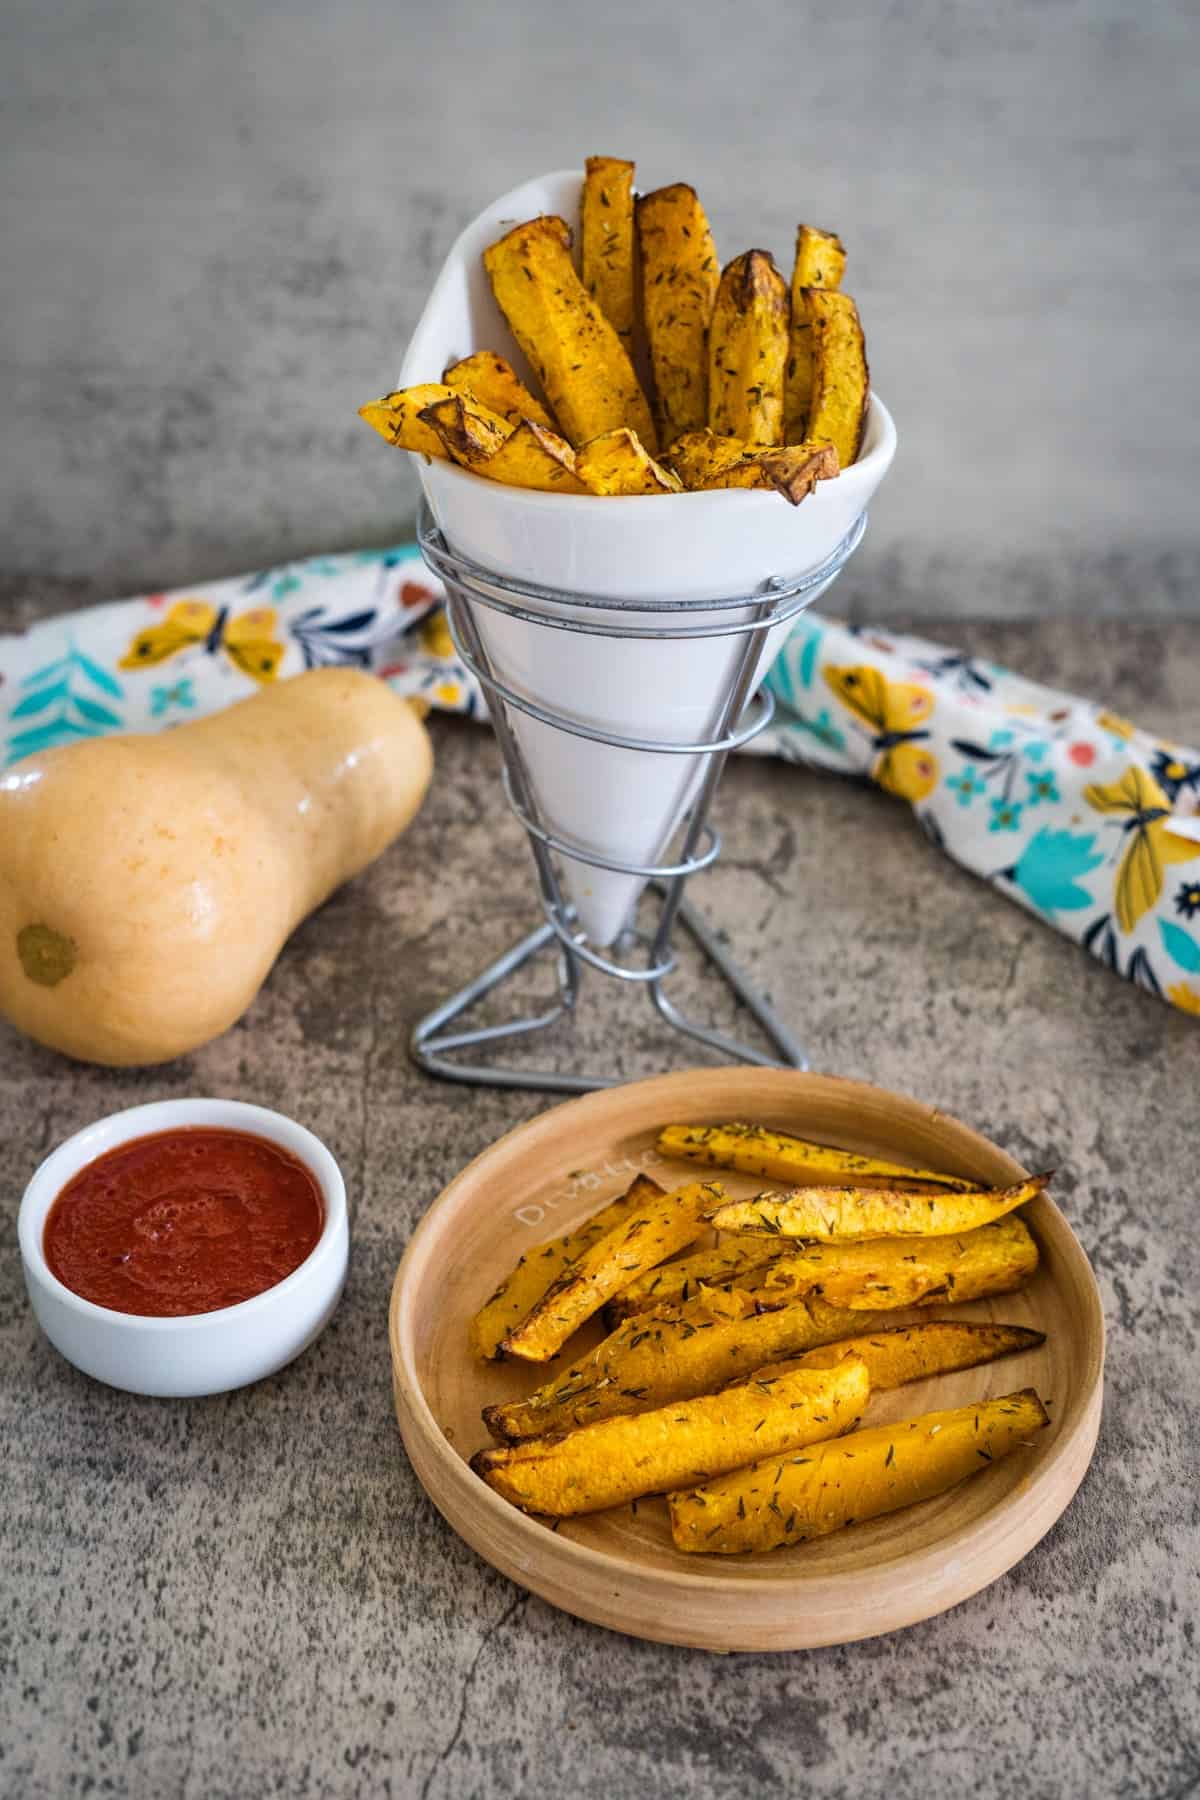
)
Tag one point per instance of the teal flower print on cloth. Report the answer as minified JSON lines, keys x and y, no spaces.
{"x":967,"y":784}
{"x":1051,"y":868}
{"x":1060,"y":803}
{"x":168,"y":699}
{"x":1180,"y":946}
{"x":1067,"y":807}
{"x":1006,"y":815}
{"x":1042,"y":787}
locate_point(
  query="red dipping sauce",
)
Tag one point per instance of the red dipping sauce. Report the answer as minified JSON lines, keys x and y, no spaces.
{"x":183,"y":1222}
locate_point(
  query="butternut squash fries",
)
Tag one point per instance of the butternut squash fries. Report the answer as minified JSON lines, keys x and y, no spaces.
{"x":732,"y":1368}
{"x":789,"y":1499}
{"x":752,"y":384}
{"x":678,"y":1445}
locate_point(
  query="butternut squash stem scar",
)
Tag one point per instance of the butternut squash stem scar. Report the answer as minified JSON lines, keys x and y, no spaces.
{"x":47,"y":956}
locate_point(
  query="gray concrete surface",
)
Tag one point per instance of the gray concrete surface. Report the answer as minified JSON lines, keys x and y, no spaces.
{"x":251,"y":1596}
{"x":220,"y":222}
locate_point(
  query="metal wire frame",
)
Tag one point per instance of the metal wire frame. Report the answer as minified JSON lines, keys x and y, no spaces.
{"x":750,"y":616}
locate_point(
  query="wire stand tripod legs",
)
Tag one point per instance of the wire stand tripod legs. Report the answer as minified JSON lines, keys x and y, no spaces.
{"x":436,"y":1045}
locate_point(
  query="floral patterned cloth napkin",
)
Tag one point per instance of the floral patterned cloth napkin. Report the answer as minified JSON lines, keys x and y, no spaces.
{"x":1081,"y":817}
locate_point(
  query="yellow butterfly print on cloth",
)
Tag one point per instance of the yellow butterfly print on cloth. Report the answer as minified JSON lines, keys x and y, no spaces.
{"x":891,"y":709}
{"x":248,"y":640}
{"x":435,"y":635}
{"x":1151,"y":847}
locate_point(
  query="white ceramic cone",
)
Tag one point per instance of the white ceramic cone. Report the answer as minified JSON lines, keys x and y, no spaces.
{"x":621,"y":804}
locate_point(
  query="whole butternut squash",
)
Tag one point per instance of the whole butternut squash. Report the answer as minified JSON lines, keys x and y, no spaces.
{"x":147,"y":884}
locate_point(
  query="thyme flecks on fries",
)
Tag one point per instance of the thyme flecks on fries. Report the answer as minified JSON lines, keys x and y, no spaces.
{"x":719,"y":1349}
{"x":676,"y":1445}
{"x":539,"y":1268}
{"x":836,"y":1214}
{"x":778,"y":372}
{"x":789,"y":1499}
{"x":758,"y":1150}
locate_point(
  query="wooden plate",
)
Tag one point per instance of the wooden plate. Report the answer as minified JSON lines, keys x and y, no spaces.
{"x":619,"y":1568}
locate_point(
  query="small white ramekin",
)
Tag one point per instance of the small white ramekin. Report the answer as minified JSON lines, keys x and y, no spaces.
{"x":201,"y":1353}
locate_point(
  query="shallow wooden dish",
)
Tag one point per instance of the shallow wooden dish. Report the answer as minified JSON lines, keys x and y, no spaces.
{"x":619,"y":1568}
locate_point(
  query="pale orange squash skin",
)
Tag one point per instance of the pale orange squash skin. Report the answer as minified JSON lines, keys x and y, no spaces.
{"x":147,"y":884}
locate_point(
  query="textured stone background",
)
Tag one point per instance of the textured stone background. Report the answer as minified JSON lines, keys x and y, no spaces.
{"x":251,"y":1595}
{"x":220,"y":223}
{"x":218,"y":226}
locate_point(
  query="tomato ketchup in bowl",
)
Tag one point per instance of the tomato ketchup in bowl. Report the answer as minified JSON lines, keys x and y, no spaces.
{"x":186,"y":1247}
{"x":183,"y":1222}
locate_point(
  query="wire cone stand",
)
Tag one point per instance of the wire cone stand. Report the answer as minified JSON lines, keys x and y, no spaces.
{"x":443,"y":1043}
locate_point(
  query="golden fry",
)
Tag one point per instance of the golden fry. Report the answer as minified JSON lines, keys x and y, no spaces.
{"x":519,"y":1292}
{"x":674,"y":1282}
{"x":698,"y":456}
{"x":841,"y":380}
{"x":680,"y":277}
{"x":532,"y":457}
{"x":756,"y":1150}
{"x":470,"y":433}
{"x":820,"y":263}
{"x":820,"y":258}
{"x":747,"y":350}
{"x":580,"y":361}
{"x":793,"y":470}
{"x":906,"y":1353}
{"x":722,"y":1333}
{"x":868,"y":1273}
{"x":493,"y":381}
{"x":689,"y":1441}
{"x":606,"y":230}
{"x":663,"y":1225}
{"x":787,"y":1500}
{"x":397,"y":417}
{"x":618,"y":463}
{"x":835,"y":1214}
{"x":704,"y":460}
{"x":720,"y":1336}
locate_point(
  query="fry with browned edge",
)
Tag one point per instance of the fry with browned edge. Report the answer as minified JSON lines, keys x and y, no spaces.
{"x":841,"y":380}
{"x":834,"y":1214}
{"x":575,"y":352}
{"x":862,"y":1274}
{"x":719,"y":1335}
{"x":398,"y":417}
{"x":747,"y":350}
{"x":703,"y":461}
{"x":540,"y":1267}
{"x":758,"y":1150}
{"x":470,"y":434}
{"x":532,"y":457}
{"x":866,"y":1274}
{"x":671,"y":1283}
{"x":789,"y":1499}
{"x":494,"y":382}
{"x":666,"y":1223}
{"x":820,"y":263}
{"x":619,"y":463}
{"x":687,"y":1442}
{"x":820,"y":258}
{"x":698,"y":457}
{"x":792,"y":470}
